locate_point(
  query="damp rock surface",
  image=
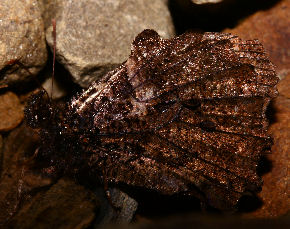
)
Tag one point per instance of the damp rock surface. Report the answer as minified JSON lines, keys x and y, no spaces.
{"x":95,"y":36}
{"x":23,"y":51}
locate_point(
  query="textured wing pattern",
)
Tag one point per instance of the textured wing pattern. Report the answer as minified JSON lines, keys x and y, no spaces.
{"x":185,"y":112}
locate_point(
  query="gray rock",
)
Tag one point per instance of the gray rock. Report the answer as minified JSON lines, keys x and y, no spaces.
{"x":126,"y":207}
{"x":49,"y":9}
{"x":93,"y":36}
{"x":23,"y":51}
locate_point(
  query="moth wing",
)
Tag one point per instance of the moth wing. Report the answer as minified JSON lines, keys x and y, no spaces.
{"x":218,"y":88}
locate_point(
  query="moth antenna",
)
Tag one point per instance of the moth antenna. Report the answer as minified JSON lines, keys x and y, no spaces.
{"x":53,"y":21}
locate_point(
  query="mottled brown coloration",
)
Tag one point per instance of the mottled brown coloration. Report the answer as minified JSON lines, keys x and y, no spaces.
{"x":180,"y":115}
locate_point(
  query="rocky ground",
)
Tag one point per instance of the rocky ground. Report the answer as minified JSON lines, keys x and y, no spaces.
{"x":93,"y":37}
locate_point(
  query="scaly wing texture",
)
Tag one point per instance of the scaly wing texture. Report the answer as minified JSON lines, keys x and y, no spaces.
{"x":185,"y":112}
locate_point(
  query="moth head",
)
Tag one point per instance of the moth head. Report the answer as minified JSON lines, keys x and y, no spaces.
{"x":38,"y":111}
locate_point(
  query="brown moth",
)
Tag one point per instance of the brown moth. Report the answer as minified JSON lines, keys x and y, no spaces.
{"x":181,"y":115}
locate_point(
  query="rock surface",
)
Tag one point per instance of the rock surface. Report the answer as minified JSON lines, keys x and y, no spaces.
{"x":271,"y":28}
{"x":65,"y":205}
{"x":206,"y":1}
{"x":20,"y":143}
{"x":11,"y":111}
{"x":1,"y":144}
{"x":275,"y":192}
{"x":94,"y":36}
{"x":23,"y":50}
{"x":125,"y":204}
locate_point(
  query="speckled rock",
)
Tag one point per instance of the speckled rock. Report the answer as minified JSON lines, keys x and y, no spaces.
{"x":93,"y":36}
{"x":11,"y":111}
{"x":272,"y":29}
{"x":22,"y":40}
{"x":125,"y":204}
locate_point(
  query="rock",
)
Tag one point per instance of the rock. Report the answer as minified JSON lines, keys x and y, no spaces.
{"x":126,"y":207}
{"x":275,"y":192}
{"x":206,"y":221}
{"x":19,"y":144}
{"x":94,"y":36}
{"x":65,"y":205}
{"x":1,"y":144}
{"x":206,"y":1}
{"x":22,"y":47}
{"x":212,"y":15}
{"x":284,"y":87}
{"x":272,"y":29}
{"x":48,"y":10}
{"x":11,"y":111}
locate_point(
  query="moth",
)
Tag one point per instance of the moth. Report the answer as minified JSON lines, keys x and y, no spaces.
{"x":181,"y":115}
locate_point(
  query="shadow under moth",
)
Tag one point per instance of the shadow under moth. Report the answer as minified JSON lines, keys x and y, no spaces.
{"x":181,"y":114}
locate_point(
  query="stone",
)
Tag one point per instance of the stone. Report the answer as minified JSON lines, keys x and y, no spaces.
{"x":284,"y":87}
{"x":48,"y":10}
{"x":15,"y":181}
{"x":22,"y":41}
{"x":65,"y":205}
{"x":206,"y":1}
{"x":126,"y":205}
{"x":11,"y":111}
{"x":275,"y":192}
{"x":94,"y":36}
{"x":1,"y":144}
{"x":271,"y":28}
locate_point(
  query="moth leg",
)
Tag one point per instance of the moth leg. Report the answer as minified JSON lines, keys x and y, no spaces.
{"x":19,"y":197}
{"x":107,"y":191}
{"x":31,"y":159}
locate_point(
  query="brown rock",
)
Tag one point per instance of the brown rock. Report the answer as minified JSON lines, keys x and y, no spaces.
{"x":1,"y":144}
{"x":48,"y":10}
{"x":206,"y":1}
{"x":275,"y":192}
{"x":284,"y":87}
{"x":94,"y":36}
{"x":22,"y":40}
{"x":11,"y":111}
{"x":65,"y":205}
{"x":19,"y":144}
{"x":272,"y":29}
